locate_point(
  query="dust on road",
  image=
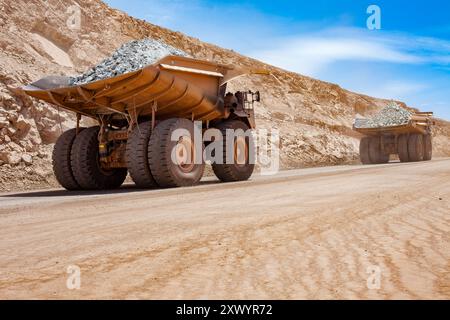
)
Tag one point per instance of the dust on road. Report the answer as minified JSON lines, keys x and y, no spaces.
{"x":308,"y":234}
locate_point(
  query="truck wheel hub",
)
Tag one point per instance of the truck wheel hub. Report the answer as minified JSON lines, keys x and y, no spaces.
{"x":240,"y":151}
{"x":185,"y":154}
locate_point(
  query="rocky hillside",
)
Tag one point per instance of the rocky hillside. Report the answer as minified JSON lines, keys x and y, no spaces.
{"x":39,"y":38}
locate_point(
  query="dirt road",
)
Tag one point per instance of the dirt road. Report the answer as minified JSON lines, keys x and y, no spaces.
{"x":307,"y":234}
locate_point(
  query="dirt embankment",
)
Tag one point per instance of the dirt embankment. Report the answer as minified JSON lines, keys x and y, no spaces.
{"x":314,"y":117}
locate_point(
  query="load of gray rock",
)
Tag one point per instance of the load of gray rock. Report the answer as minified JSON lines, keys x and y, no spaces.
{"x":130,"y":57}
{"x":390,"y":116}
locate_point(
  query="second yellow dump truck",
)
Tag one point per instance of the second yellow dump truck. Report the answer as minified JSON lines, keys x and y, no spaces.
{"x":411,"y":141}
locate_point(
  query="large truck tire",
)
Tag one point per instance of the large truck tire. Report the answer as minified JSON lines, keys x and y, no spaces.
{"x":184,"y":171}
{"x":428,"y":147}
{"x":364,"y":151}
{"x":86,"y":166}
{"x":137,"y":156}
{"x":376,"y":151}
{"x":403,"y":153}
{"x":235,"y":171}
{"x":62,"y":167}
{"x":416,"y":147}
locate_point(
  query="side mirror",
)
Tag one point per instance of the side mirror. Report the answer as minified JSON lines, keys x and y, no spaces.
{"x":257,"y":96}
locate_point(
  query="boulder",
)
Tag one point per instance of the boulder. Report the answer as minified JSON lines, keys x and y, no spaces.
{"x":23,"y":125}
{"x":27,"y":159}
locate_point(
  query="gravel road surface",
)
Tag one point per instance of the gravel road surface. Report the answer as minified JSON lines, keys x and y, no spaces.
{"x":348,"y":232}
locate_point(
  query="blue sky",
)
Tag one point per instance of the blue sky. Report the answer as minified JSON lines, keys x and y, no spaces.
{"x":408,"y":59}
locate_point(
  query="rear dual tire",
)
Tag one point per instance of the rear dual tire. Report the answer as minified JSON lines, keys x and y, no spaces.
{"x":137,"y":156}
{"x":62,"y":167}
{"x":371,"y":151}
{"x":76,"y":162}
{"x":86,"y":165}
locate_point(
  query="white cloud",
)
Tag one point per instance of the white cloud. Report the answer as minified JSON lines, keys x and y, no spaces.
{"x":398,"y":88}
{"x":309,"y":55}
{"x":401,"y":88}
{"x":312,"y":53}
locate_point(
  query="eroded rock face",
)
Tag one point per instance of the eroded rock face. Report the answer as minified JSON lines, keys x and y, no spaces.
{"x":39,"y":38}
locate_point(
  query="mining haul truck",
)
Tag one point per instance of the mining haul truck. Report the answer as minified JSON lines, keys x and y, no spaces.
{"x":412,"y":141}
{"x":137,"y":113}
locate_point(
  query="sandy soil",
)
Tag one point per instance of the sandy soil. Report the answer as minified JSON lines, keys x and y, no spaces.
{"x":307,"y":234}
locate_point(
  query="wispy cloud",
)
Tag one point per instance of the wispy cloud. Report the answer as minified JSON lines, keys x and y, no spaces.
{"x":398,"y":88}
{"x":311,"y":53}
{"x":308,"y":55}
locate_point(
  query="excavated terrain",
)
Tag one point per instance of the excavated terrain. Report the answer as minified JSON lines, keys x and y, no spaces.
{"x":314,"y":117}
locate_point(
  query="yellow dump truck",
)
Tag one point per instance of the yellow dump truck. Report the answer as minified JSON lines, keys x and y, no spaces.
{"x":136,"y":113}
{"x":411,"y":141}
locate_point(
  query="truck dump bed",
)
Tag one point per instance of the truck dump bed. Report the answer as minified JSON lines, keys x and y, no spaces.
{"x":175,"y":86}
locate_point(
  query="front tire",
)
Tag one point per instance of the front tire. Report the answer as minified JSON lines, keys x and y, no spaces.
{"x":86,"y":166}
{"x":235,"y":171}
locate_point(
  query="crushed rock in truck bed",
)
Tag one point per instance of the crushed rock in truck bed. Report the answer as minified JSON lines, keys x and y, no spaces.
{"x":130,"y":57}
{"x":390,"y":116}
